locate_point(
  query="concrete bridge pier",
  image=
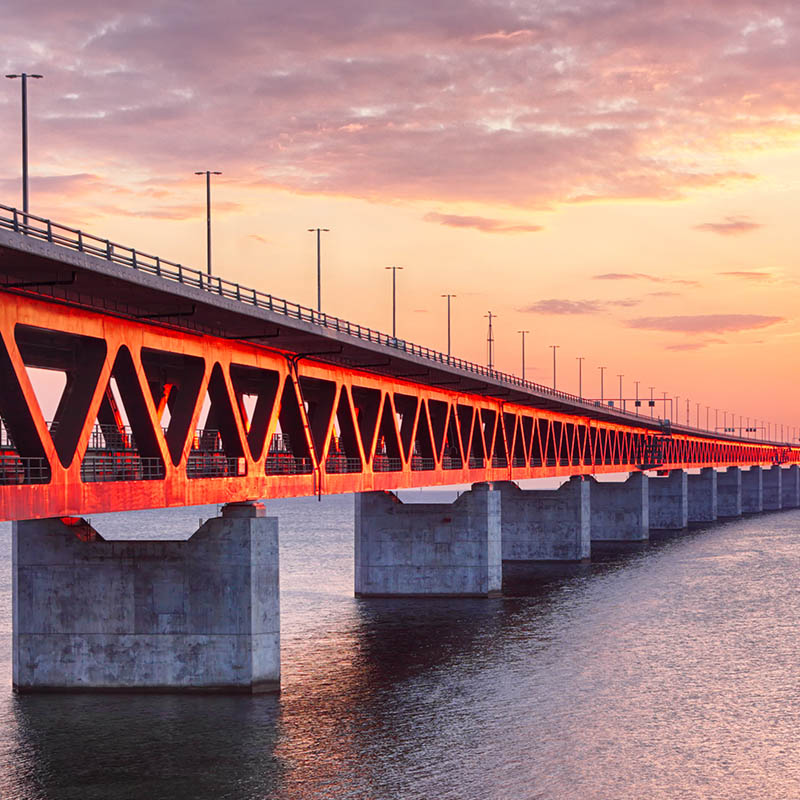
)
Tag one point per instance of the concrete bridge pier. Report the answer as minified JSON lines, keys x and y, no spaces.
{"x":137,"y":615}
{"x":771,"y":486}
{"x":790,"y":487}
{"x":428,"y":549}
{"x":545,"y":525}
{"x":752,"y":490}
{"x":620,"y":511}
{"x":702,"y":490}
{"x":729,"y":493}
{"x":669,"y":501}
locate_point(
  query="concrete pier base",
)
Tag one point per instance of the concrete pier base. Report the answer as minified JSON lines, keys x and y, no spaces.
{"x":546,"y":525}
{"x":790,"y":487}
{"x":729,"y":493}
{"x":669,"y":501}
{"x":772,"y":488}
{"x":136,"y":615}
{"x":703,"y":497}
{"x":428,"y":549}
{"x":620,"y":511}
{"x":752,"y":490}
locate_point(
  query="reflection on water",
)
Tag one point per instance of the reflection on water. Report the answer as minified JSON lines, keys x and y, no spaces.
{"x":669,"y":672}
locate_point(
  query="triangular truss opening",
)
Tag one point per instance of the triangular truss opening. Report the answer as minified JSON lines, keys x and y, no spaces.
{"x":488,"y":426}
{"x":526,"y":434}
{"x":22,"y":455}
{"x":438,"y":413}
{"x":388,"y":457}
{"x":509,"y":431}
{"x":451,"y":455}
{"x":367,"y":403}
{"x":318,"y":397}
{"x":518,"y":446}
{"x":539,"y":445}
{"x":217,"y":450}
{"x":466,"y":415}
{"x":343,"y":452}
{"x":174,"y":380}
{"x":288,"y":451}
{"x":405,"y":407}
{"x":123,"y":445}
{"x":477,"y":451}
{"x":422,"y":457}
{"x":255,"y":390}
{"x":80,"y":359}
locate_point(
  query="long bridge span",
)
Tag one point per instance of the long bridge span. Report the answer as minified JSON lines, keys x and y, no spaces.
{"x":181,"y":388}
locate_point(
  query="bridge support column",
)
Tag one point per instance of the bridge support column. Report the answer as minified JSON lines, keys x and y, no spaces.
{"x":194,"y":615}
{"x":669,"y":501}
{"x":729,"y":493}
{"x":772,"y":488}
{"x":620,"y":511}
{"x":546,"y":525}
{"x":703,"y":496}
{"x":428,"y":549}
{"x":752,"y":490}
{"x":790,"y":487}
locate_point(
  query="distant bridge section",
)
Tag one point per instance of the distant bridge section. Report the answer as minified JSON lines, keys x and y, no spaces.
{"x":184,"y":389}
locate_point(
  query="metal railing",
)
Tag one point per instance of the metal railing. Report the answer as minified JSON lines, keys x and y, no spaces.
{"x":382,"y":463}
{"x":214,"y":465}
{"x":125,"y":467}
{"x":287,"y":464}
{"x":21,"y":470}
{"x":419,"y":463}
{"x":340,"y":464}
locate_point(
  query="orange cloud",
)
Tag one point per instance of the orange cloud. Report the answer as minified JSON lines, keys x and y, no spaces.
{"x":731,"y":227}
{"x":706,"y":323}
{"x":483,"y":224}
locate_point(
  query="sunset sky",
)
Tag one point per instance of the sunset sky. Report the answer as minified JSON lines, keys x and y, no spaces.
{"x":619,"y":177}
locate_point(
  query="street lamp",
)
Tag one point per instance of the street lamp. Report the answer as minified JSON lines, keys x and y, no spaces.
{"x":319,"y":268}
{"x":24,"y":76}
{"x":449,"y":297}
{"x":394,"y":300}
{"x":208,"y":173}
{"x":652,"y":403}
{"x":523,"y":352}
{"x":620,"y":391}
{"x":580,"y":360}
{"x":490,"y":339}
{"x":554,"y":348}
{"x":602,"y":372}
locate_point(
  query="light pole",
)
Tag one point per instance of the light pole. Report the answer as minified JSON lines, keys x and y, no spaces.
{"x":523,"y":352}
{"x":24,"y":76}
{"x":580,"y":360}
{"x":637,"y":403}
{"x":554,"y":347}
{"x":394,"y":300}
{"x":620,"y":390}
{"x":602,"y":372}
{"x":319,"y":231}
{"x":448,"y":296}
{"x":490,"y":339}
{"x":208,"y":173}
{"x":652,"y":403}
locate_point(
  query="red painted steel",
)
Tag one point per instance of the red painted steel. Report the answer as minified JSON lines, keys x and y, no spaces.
{"x":278,"y":424}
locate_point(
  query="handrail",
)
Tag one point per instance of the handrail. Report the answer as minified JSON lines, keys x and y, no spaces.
{"x":72,"y":238}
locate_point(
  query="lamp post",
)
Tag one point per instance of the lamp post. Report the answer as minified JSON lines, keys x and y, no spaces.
{"x":580,"y":360}
{"x":208,"y":173}
{"x":449,"y":296}
{"x":394,"y":300}
{"x":554,"y":348}
{"x":319,"y":231}
{"x":636,"y":383}
{"x":620,"y":390}
{"x":490,"y":339}
{"x":24,"y":76}
{"x":523,"y":352}
{"x":652,"y":403}
{"x":602,"y":372}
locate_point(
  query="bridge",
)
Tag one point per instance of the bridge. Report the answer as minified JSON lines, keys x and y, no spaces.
{"x":182,"y":388}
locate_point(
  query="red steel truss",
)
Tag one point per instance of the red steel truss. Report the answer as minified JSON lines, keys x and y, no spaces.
{"x":127,"y":431}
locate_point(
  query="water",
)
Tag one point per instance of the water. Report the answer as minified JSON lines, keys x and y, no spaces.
{"x":671,"y":672}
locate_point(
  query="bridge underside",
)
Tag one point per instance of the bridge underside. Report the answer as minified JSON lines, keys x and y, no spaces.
{"x":153,"y":416}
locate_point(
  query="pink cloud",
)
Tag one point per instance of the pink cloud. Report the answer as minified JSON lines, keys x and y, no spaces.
{"x":732,"y":226}
{"x":706,"y":323}
{"x":568,"y":306}
{"x":483,"y":224}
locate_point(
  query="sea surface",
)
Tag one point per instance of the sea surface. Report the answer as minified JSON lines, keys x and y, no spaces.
{"x":669,"y":671}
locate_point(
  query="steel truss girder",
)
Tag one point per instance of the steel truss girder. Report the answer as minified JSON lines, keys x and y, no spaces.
{"x":397,"y":433}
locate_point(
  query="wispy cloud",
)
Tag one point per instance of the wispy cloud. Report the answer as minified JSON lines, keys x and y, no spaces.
{"x":643,"y":276}
{"x":566,"y":306}
{"x":758,"y":277}
{"x":483,"y":224}
{"x":732,"y":226}
{"x":706,"y":323}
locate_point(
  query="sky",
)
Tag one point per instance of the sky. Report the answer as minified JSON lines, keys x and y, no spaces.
{"x":620,"y":178}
